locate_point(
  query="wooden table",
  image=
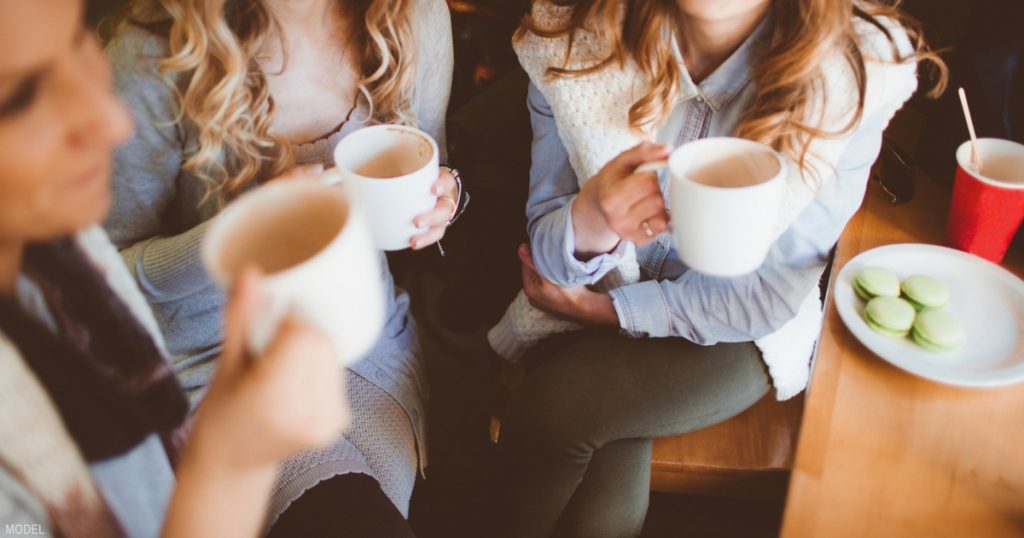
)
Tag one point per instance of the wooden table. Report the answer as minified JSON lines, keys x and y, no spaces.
{"x":885,"y":453}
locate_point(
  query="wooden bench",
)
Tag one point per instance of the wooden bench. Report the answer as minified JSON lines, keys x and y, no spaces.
{"x":748,"y":456}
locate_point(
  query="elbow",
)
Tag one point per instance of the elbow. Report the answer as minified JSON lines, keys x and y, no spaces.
{"x":553,"y":273}
{"x":552,"y":270}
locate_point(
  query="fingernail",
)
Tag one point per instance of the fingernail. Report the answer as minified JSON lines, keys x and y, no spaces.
{"x":316,"y":168}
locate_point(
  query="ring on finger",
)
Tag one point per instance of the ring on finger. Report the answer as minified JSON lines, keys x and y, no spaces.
{"x":455,"y":207}
{"x":647,"y":229}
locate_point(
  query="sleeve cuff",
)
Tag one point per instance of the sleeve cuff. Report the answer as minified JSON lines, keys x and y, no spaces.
{"x":599,"y":265}
{"x":642,"y":310}
{"x":172,"y":267}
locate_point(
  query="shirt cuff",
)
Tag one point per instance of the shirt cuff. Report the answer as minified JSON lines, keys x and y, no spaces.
{"x":642,"y":310}
{"x":595,"y":267}
{"x":172,"y":267}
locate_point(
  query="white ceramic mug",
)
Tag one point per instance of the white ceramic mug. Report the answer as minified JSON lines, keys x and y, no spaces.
{"x":314,"y":247}
{"x":725,"y":195}
{"x":391,"y":170}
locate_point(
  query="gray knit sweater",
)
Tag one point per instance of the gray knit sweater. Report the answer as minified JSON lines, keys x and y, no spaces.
{"x":160,"y":214}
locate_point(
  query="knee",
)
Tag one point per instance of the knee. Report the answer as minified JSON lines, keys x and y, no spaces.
{"x":547,"y":420}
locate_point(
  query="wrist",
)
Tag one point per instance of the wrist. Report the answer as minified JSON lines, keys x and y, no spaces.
{"x":223,"y":472}
{"x":215,"y":449}
{"x":599,"y":310}
{"x":592,"y":235}
{"x":206,"y":487}
{"x":208,"y":467}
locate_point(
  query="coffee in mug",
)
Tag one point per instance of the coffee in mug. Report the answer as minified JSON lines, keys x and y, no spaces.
{"x":314,"y":247}
{"x":391,"y":170}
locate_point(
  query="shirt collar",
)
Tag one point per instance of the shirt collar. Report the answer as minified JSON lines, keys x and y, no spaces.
{"x":719,"y":88}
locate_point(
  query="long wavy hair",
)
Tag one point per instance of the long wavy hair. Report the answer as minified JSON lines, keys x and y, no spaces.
{"x":211,"y":64}
{"x":788,"y":76}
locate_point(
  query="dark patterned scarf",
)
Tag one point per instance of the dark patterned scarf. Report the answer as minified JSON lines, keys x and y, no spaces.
{"x":103,"y":370}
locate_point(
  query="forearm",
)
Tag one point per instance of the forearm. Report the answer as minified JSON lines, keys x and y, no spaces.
{"x":218,"y":500}
{"x":168,"y":268}
{"x":593,"y":237}
{"x":552,"y":242}
{"x":599,"y":311}
{"x":707,"y":310}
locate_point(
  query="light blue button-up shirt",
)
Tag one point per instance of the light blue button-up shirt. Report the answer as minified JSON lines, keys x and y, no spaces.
{"x":671,"y":299}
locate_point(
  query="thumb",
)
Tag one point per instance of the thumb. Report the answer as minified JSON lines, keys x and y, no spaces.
{"x":627,"y":161}
{"x":245,"y":301}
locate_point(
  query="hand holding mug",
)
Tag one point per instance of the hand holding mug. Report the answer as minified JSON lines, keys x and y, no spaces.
{"x":392,"y":171}
{"x":437,"y":219}
{"x":314,"y":246}
{"x":620,"y":203}
{"x":291,"y":398}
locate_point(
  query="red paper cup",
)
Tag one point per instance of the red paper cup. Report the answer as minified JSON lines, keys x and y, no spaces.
{"x":987,"y":208}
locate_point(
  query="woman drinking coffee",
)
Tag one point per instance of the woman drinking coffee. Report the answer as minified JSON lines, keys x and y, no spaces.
{"x":667,"y":349}
{"x":93,"y":419}
{"x":231,"y":94}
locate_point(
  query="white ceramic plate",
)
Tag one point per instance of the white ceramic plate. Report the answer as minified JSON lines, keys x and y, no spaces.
{"x":987,"y":299}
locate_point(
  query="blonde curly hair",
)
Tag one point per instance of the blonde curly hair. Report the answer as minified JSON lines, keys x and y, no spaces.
{"x":212,"y":48}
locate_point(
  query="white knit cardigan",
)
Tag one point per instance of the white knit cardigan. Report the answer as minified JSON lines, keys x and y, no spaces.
{"x":593,"y":125}
{"x":34,"y":445}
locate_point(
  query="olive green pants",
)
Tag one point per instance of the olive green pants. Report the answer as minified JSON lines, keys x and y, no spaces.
{"x":575,"y":450}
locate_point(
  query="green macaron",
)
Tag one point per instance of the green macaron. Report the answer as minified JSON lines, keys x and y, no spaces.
{"x":872,"y":282}
{"x":925,"y":292}
{"x":891,"y":316}
{"x":937,"y":330}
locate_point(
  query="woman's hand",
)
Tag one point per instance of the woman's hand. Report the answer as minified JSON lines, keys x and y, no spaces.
{"x":258,"y":412}
{"x":289,"y":399}
{"x":619,"y":204}
{"x":577,"y":304}
{"x":436,"y":220}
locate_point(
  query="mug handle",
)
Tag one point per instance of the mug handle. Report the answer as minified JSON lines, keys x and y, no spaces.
{"x":651,"y":166}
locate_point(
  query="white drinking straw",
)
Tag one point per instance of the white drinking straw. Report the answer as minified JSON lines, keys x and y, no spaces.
{"x":975,"y":154}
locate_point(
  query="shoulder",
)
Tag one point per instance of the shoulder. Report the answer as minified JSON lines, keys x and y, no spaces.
{"x":890,"y":74}
{"x":429,"y":11}
{"x":882,"y":39}
{"x":433,"y":64}
{"x":537,"y":53}
{"x":134,"y":47}
{"x":135,"y":55}
{"x":889,"y":62}
{"x":431,"y":22}
{"x":547,"y":15}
